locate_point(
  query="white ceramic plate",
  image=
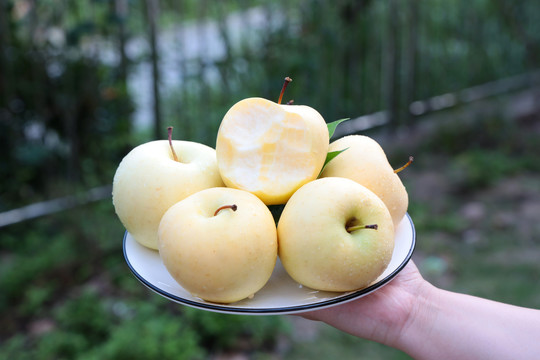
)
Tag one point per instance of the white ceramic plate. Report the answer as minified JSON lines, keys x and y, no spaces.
{"x":281,"y":295}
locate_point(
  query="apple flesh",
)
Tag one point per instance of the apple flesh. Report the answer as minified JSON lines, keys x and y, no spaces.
{"x":269,"y":149}
{"x":148,"y":181}
{"x":335,"y":235}
{"x":365,"y":162}
{"x":215,"y":251}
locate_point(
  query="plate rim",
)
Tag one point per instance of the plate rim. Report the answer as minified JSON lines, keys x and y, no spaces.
{"x":224,"y":308}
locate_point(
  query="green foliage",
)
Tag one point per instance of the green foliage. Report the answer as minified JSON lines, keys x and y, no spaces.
{"x":426,"y":220}
{"x":332,"y":344}
{"x":481,"y":168}
{"x":56,"y":100}
{"x":484,"y":150}
{"x":150,"y":333}
{"x":60,"y":345}
{"x":221,"y":331}
{"x":195,"y":123}
{"x":14,"y":348}
{"x":85,"y":314}
{"x":29,"y":267}
{"x":36,"y":298}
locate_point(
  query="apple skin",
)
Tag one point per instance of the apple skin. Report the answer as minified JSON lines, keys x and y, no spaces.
{"x":223,"y":258}
{"x":365,"y":162}
{"x":261,"y":144}
{"x":148,"y":181}
{"x":315,"y":248}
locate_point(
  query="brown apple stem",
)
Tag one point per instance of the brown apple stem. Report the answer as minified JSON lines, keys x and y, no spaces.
{"x":287,"y":81}
{"x":233,"y":207}
{"x":169,"y":131}
{"x":411,"y":159}
{"x":358,"y":227}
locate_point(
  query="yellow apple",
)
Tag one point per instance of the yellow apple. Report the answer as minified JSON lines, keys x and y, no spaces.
{"x":335,"y":235}
{"x":219,"y":244}
{"x":271,"y":149}
{"x":149,"y":180}
{"x":365,"y":162}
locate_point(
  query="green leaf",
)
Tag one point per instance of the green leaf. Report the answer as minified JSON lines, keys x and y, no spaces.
{"x":333,"y":125}
{"x":329,"y":157}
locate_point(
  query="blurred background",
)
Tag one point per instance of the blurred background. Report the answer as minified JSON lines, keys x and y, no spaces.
{"x":456,"y":84}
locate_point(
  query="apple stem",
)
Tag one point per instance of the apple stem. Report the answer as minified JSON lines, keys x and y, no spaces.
{"x":169,"y":131}
{"x":411,"y":159}
{"x":358,"y":227}
{"x":233,"y":207}
{"x":287,"y":81}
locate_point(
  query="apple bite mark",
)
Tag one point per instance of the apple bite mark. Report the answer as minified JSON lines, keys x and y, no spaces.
{"x":169,"y":132}
{"x":411,"y":159}
{"x":259,"y":141}
{"x":233,"y":207}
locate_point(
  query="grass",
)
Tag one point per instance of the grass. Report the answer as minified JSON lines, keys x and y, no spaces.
{"x":333,"y":344}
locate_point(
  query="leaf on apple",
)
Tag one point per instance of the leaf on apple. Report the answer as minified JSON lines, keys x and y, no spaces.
{"x":329,"y":156}
{"x":333,"y":125}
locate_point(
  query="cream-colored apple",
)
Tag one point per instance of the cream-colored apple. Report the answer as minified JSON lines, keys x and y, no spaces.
{"x":271,"y":149}
{"x":219,"y":244}
{"x":149,"y":180}
{"x":335,"y":235}
{"x":365,"y":162}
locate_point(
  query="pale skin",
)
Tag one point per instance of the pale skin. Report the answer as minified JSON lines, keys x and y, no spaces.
{"x":426,"y":322}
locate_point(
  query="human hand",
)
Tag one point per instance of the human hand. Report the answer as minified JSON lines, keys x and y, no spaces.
{"x":382,"y":315}
{"x":412,"y":315}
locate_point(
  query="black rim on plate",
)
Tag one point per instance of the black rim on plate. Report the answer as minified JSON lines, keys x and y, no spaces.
{"x":276,"y":310}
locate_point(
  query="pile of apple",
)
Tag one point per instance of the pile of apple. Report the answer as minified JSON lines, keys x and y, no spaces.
{"x":207,"y":210}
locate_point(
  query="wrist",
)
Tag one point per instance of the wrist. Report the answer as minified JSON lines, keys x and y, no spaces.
{"x":420,"y":320}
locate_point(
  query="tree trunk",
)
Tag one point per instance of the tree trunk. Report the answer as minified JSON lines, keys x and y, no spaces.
{"x":391,"y":63}
{"x":4,"y":36}
{"x":121,"y":12}
{"x":409,"y":86}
